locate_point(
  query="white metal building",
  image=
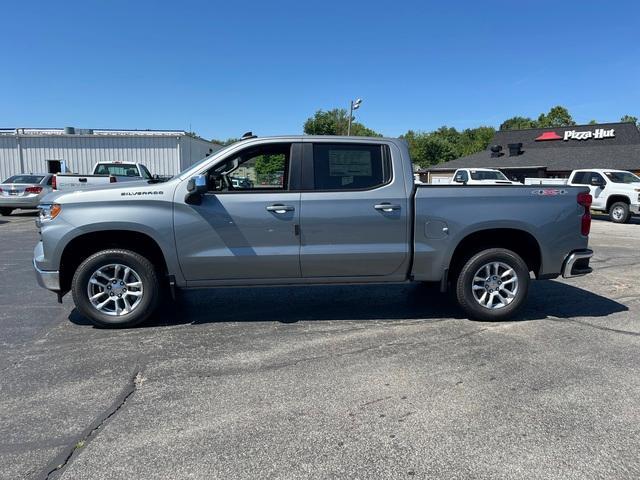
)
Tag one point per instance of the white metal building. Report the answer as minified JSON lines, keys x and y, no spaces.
{"x":24,"y":150}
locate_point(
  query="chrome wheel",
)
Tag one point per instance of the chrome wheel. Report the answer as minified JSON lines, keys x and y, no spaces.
{"x":495,"y":285}
{"x":115,"y":289}
{"x":617,"y":213}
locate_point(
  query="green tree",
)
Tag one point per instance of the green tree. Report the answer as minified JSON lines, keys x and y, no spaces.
{"x":630,"y":119}
{"x":518,"y":123}
{"x":335,"y":122}
{"x":427,"y":148}
{"x":557,"y":116}
{"x":270,"y":164}
{"x":474,"y":140}
{"x":593,"y":122}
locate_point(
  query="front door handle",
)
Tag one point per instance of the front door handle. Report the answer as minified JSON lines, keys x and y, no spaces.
{"x":386,"y":207}
{"x":279,"y":208}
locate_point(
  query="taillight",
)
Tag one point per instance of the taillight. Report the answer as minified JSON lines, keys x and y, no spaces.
{"x":112,"y":179}
{"x":585,"y":199}
{"x":33,"y":189}
{"x":54,"y":182}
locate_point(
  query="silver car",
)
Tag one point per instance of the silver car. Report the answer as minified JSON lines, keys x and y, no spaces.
{"x":25,"y":190}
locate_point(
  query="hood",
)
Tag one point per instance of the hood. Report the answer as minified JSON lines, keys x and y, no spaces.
{"x":112,"y":192}
{"x":630,"y":186}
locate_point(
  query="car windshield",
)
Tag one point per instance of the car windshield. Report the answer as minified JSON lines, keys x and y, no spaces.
{"x":117,"y":169}
{"x":622,"y":177}
{"x":24,"y":179}
{"x":487,"y":175}
{"x":208,"y":157}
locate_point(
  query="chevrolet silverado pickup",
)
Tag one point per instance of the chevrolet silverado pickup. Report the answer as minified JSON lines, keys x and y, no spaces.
{"x":103,"y":174}
{"x":314,"y":210}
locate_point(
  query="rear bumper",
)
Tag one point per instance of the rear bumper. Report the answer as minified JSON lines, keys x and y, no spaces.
{"x":20,"y":202}
{"x":577,"y":263}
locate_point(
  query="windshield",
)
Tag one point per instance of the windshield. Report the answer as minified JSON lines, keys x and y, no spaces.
{"x":622,"y":177}
{"x":24,"y":179}
{"x":487,"y":175}
{"x":117,"y":169}
{"x":209,"y":157}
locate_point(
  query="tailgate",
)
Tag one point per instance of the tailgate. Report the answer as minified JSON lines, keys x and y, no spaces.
{"x":76,"y":182}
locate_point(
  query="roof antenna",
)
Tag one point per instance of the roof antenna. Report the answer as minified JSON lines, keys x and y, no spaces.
{"x":248,"y":135}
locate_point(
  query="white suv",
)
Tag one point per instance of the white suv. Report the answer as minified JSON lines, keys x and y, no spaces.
{"x":616,"y":192}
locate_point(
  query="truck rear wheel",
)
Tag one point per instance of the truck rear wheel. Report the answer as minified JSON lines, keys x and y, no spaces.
{"x":116,"y":288}
{"x":492,"y":285}
{"x":619,"y":212}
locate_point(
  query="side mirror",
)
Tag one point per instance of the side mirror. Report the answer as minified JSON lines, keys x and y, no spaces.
{"x":196,"y":187}
{"x":597,"y":182}
{"x":459,"y":178}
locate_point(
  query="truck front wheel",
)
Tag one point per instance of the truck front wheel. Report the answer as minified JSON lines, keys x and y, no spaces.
{"x":115,"y":288}
{"x":492,"y":284}
{"x":619,"y":212}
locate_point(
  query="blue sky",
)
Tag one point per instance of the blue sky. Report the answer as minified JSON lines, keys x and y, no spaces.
{"x":227,"y":67}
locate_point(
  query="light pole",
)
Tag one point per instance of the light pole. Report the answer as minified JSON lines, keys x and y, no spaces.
{"x":353,"y":105}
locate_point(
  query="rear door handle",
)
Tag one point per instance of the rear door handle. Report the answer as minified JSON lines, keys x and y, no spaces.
{"x":278,"y":208}
{"x":386,"y":207}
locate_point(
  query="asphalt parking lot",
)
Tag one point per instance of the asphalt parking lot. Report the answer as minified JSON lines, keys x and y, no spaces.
{"x":327,"y":382}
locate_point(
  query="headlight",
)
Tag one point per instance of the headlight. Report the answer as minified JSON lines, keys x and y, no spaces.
{"x":49,"y":211}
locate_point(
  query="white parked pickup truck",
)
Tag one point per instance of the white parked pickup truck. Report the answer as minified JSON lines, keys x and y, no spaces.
{"x":103,"y":173}
{"x":480,"y":176}
{"x":616,"y":192}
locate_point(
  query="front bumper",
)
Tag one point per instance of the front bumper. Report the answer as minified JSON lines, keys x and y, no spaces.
{"x":49,"y":279}
{"x":46,"y":279}
{"x":577,"y":263}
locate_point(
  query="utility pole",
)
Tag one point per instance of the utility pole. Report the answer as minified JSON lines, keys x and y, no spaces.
{"x":353,"y":105}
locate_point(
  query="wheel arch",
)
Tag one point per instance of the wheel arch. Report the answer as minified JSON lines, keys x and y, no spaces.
{"x":519,"y":241}
{"x":617,"y":198}
{"x":82,"y":246}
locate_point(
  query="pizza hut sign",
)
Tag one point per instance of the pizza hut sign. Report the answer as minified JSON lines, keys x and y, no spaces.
{"x":596,"y":134}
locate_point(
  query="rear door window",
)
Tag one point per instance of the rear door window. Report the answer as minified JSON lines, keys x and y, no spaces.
{"x":344,"y":166}
{"x":582,"y":178}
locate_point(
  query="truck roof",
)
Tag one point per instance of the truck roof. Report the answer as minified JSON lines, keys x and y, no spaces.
{"x":117,"y":162}
{"x":599,"y":170}
{"x":480,"y":169}
{"x":341,"y":138}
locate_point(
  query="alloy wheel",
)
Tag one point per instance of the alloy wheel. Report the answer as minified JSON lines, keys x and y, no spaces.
{"x":495,"y":285}
{"x":115,"y":289}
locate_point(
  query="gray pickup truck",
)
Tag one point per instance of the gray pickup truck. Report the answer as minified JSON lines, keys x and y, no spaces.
{"x":313,"y":210}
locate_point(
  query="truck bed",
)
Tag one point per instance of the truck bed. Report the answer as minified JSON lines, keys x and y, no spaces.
{"x":447,"y":214}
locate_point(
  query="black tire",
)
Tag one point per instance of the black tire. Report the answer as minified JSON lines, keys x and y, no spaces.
{"x":465,"y":282}
{"x":5,"y":211}
{"x":142,"y":267}
{"x":619,"y":212}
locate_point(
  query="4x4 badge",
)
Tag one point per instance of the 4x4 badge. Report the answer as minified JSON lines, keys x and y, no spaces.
{"x":548,"y":192}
